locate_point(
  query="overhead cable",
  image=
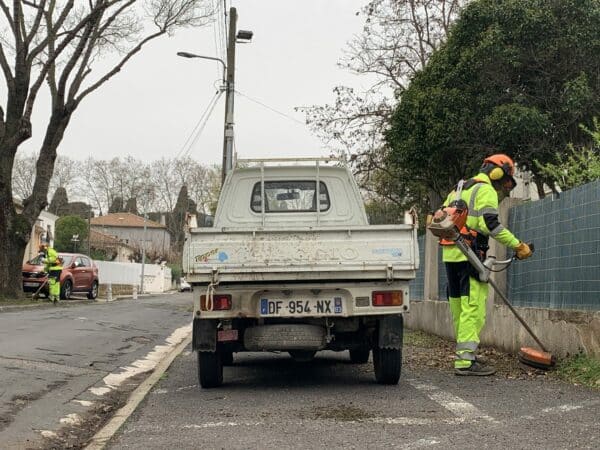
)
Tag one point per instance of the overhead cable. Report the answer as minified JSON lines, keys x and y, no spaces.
{"x":258,"y":102}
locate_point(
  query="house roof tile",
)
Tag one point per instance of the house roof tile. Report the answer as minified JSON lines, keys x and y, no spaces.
{"x":124,"y":220}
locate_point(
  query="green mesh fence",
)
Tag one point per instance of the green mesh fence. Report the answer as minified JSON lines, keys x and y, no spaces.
{"x":416,"y":286}
{"x":564,"y":271}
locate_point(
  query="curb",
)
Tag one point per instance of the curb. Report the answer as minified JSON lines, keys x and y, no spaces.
{"x":102,"y":437}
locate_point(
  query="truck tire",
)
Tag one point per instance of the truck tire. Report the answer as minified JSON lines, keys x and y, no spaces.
{"x":227,"y":357}
{"x":359,"y":355}
{"x":210,"y":369}
{"x":387,"y":363}
{"x":285,"y":337}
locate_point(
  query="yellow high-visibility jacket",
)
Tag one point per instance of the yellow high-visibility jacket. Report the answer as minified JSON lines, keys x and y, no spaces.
{"x":482,"y":200}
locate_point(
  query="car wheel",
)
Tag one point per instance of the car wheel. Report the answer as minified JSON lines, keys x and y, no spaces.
{"x":210,"y":369}
{"x":67,"y":288}
{"x":93,"y":292}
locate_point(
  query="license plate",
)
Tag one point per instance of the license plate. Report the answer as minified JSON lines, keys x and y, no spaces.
{"x":29,"y":284}
{"x":227,"y":335}
{"x":307,"y":307}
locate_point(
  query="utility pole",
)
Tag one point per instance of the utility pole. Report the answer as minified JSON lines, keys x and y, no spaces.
{"x":230,"y":89}
{"x":143,"y":255}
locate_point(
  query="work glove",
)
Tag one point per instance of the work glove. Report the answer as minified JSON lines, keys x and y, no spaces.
{"x":523,"y":251}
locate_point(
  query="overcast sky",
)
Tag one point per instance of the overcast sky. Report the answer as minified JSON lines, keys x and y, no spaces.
{"x":151,"y":108}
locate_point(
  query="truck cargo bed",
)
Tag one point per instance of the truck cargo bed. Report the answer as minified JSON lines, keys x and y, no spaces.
{"x":374,"y":252}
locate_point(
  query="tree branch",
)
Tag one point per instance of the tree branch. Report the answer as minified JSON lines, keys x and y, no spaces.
{"x":118,"y":67}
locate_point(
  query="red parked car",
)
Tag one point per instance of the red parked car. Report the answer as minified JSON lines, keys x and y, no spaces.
{"x":79,"y":274}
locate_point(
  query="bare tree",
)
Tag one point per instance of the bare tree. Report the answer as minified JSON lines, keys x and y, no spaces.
{"x":397,"y":40}
{"x":56,"y":43}
{"x":22,"y":175}
{"x":65,"y":175}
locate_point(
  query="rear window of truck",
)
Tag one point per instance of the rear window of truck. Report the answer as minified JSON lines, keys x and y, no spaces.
{"x":290,"y":196}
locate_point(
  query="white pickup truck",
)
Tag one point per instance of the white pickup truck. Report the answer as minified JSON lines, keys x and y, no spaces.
{"x":292,"y":264}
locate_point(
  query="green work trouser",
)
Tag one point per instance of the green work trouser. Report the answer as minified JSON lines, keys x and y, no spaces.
{"x":467,"y":296}
{"x":54,"y":284}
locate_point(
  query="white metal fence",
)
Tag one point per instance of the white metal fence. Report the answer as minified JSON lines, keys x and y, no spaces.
{"x":157,"y":278}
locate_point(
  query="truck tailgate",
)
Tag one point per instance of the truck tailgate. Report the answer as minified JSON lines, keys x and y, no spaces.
{"x":374,"y":252}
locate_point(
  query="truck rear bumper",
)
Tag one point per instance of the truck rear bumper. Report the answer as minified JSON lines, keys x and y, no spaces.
{"x":303,"y":300}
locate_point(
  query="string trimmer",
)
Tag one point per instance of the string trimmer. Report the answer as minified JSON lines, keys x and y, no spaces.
{"x":445,"y":225}
{"x":36,"y":294}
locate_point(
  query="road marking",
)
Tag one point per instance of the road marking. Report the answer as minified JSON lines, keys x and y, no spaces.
{"x":83,"y":402}
{"x":452,"y":403}
{"x":107,"y":432}
{"x":424,"y":442}
{"x":411,"y":421}
{"x":71,"y":419}
{"x":561,"y":408}
{"x":224,"y":424}
{"x":48,"y":434}
{"x":149,"y":362}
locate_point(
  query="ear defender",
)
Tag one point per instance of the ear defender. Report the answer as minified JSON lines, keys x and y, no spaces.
{"x":496,"y":173}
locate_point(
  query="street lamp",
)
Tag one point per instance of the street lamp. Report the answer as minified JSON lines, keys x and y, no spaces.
{"x":242,"y":36}
{"x":193,"y":55}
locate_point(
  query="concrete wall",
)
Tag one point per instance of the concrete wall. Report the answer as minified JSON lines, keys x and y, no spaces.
{"x":563,"y":332}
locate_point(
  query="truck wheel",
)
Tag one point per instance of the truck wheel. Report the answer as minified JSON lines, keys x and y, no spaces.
{"x":387,"y":363}
{"x":302,"y":355}
{"x":210,"y":369}
{"x":227,"y":357}
{"x":359,"y":355}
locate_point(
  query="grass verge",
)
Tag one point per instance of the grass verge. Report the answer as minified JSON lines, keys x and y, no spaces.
{"x":19,"y":301}
{"x":580,"y":369}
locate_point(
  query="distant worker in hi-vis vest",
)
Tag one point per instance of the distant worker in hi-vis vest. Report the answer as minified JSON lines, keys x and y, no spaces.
{"x":53,"y":267}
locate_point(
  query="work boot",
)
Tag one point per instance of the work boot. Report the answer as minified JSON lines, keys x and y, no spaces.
{"x":55,"y":300}
{"x":476,"y":369}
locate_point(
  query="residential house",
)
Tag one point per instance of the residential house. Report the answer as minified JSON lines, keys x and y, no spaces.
{"x":129,"y":229}
{"x":111,"y":246}
{"x":43,"y":231}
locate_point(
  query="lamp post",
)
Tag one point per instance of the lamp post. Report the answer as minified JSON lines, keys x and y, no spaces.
{"x":229,"y":81}
{"x":143,"y":254}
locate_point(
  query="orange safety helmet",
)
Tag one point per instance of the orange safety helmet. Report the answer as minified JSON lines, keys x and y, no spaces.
{"x":43,"y":247}
{"x":501,"y":169}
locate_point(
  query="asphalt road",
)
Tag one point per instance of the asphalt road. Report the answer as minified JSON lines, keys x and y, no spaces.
{"x":64,"y":369}
{"x":269,"y":401}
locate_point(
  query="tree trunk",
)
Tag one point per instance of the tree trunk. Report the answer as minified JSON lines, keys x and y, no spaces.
{"x":15,"y":231}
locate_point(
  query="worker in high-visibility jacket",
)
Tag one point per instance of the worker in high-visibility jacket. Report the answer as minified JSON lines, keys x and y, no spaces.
{"x":467,"y":295}
{"x":53,"y":267}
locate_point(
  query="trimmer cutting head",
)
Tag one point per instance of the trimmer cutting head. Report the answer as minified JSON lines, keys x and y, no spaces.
{"x":536,"y":358}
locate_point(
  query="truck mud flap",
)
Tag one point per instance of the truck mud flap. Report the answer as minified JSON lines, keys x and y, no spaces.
{"x":391,"y":332}
{"x":204,"y":335}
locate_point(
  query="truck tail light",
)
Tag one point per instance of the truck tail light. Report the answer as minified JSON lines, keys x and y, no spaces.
{"x":386,"y":298}
{"x":220,"y":302}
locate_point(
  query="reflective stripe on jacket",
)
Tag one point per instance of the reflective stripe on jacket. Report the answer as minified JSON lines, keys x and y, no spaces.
{"x":482,"y":200}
